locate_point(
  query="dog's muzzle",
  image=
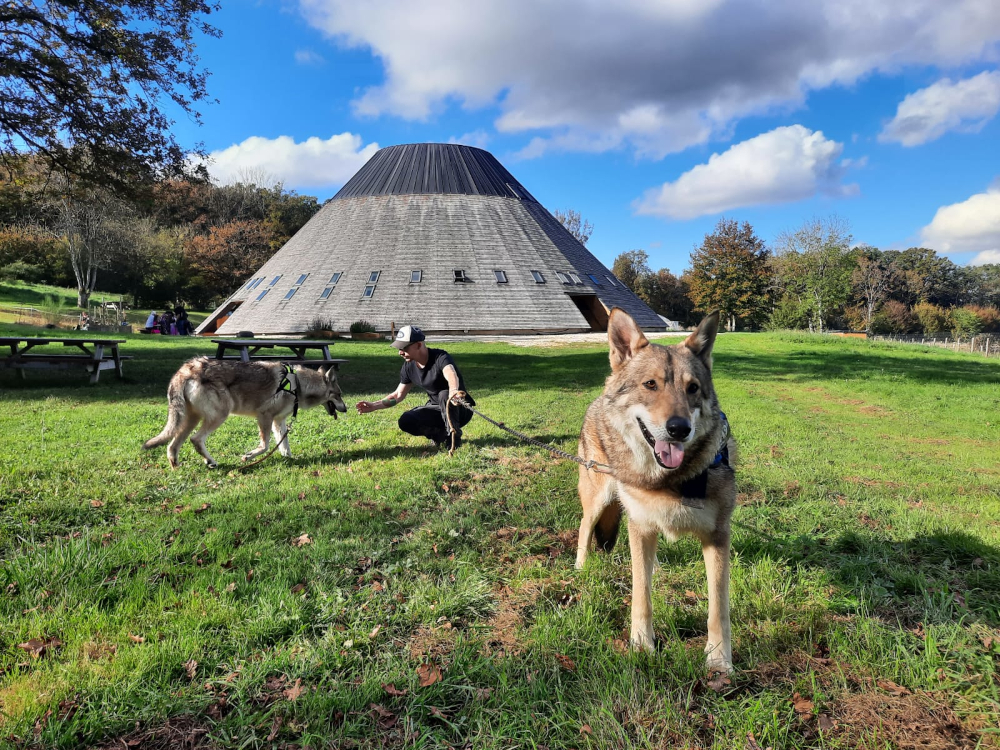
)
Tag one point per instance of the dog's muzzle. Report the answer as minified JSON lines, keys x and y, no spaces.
{"x":669,"y":455}
{"x":332,"y":407}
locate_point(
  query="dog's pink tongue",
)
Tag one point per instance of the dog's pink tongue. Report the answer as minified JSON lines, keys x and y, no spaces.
{"x":671,"y":454}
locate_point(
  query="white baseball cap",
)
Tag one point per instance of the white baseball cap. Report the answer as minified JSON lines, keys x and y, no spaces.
{"x":407,"y":335}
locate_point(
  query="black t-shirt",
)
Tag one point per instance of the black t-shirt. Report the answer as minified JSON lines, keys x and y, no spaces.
{"x":431,"y":377}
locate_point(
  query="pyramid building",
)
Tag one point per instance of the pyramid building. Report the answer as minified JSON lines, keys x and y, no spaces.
{"x":436,"y":235}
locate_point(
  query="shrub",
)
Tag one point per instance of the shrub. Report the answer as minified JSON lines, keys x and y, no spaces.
{"x":988,"y":315}
{"x":319,"y":325}
{"x":788,"y":313}
{"x":894,"y":317}
{"x":964,"y":323}
{"x":21,"y":271}
{"x":933,"y":319}
{"x":362,"y":326}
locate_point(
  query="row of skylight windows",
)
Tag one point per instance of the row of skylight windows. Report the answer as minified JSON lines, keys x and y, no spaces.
{"x":416,"y":277}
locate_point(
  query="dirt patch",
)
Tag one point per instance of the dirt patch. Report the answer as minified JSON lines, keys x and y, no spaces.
{"x":176,"y":733}
{"x":509,"y":617}
{"x":909,"y":722}
{"x":435,"y":643}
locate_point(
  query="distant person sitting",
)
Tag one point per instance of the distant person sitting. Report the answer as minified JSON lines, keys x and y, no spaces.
{"x":152,"y":321}
{"x":183,"y":324}
{"x":166,"y":321}
{"x":84,"y":323}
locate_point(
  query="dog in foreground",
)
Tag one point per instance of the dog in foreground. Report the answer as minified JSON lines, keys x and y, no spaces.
{"x":659,"y":427}
{"x":209,"y":390}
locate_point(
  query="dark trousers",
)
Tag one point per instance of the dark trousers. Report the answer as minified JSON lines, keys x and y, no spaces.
{"x":429,"y":420}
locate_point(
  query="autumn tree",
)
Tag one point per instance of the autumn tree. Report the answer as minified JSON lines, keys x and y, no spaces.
{"x":227,"y":255}
{"x":729,"y":272}
{"x":666,"y":294}
{"x":575,"y":224}
{"x":87,"y":85}
{"x":630,"y":266}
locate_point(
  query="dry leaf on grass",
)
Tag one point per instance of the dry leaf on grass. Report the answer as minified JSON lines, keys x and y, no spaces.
{"x":301,"y":541}
{"x":294,"y":691}
{"x":136,"y":638}
{"x":96,"y":504}
{"x":892,"y":688}
{"x":393,"y":690}
{"x":718,"y":681}
{"x":428,"y":674}
{"x":585,"y":729}
{"x":191,"y":667}
{"x":566,"y":663}
{"x":38,"y":647}
{"x":802,"y":706}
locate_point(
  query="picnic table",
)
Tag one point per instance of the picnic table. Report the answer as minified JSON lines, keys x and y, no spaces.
{"x":247,"y":350}
{"x":96,"y":354}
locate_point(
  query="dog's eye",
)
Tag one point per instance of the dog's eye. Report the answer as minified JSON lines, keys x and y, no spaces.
{"x":650,"y":384}
{"x":692,"y":388}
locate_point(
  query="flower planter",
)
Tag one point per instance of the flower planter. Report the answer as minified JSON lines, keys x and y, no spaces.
{"x":366,"y":336}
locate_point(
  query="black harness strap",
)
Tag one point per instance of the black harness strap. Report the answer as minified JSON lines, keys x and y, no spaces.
{"x":290,"y":383}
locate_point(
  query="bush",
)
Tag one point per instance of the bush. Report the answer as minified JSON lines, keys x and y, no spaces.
{"x":894,"y":317}
{"x":21,"y":271}
{"x":988,"y":315}
{"x":933,"y":319}
{"x":363,"y":326}
{"x":964,"y":323}
{"x":319,"y":325}
{"x":788,"y":313}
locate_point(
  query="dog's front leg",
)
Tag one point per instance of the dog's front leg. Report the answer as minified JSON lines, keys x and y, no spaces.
{"x":281,"y":435}
{"x":263,"y":427}
{"x":642,"y":542}
{"x":719,"y":647}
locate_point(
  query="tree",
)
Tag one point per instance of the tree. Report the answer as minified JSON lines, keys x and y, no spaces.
{"x":729,"y":272}
{"x":818,"y":257}
{"x":630,"y":266}
{"x":933,"y":319}
{"x":228,"y":255}
{"x":666,"y":295}
{"x":574,"y":224}
{"x":872,"y":281}
{"x":84,"y":84}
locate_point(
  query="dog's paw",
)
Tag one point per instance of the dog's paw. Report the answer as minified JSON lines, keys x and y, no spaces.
{"x":211,"y":465}
{"x":717,"y":662}
{"x":643,"y":642}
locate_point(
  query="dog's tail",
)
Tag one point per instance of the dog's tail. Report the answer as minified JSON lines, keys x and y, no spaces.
{"x":175,"y":414}
{"x":606,"y":530}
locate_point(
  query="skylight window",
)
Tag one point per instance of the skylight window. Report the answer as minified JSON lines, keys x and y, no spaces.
{"x":275,"y":280}
{"x":564,"y":278}
{"x":537,"y":276}
{"x":369,"y":292}
{"x":291,"y":292}
{"x":262,"y":294}
{"x":335,"y":278}
{"x":326,"y":292}
{"x":302,"y":278}
{"x":610,"y":280}
{"x":416,"y":277}
{"x":594,"y":279}
{"x":373,"y":277}
{"x":501,"y":276}
{"x":460,"y":275}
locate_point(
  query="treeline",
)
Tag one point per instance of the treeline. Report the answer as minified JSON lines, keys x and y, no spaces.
{"x":177,"y":241}
{"x":816,"y":278}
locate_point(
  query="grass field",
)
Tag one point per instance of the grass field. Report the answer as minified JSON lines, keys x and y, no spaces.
{"x":364,"y":594}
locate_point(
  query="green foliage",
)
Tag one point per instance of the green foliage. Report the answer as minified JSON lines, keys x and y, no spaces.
{"x":790,"y":313}
{"x":21,"y":271}
{"x":666,"y":295}
{"x":894,"y":317}
{"x":575,"y":224}
{"x":362,"y":326}
{"x":932,"y":319}
{"x":964,"y":323}
{"x":729,"y":272}
{"x":320,"y":325}
{"x":630,"y":266}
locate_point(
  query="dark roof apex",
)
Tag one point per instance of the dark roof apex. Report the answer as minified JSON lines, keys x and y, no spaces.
{"x":451,"y":168}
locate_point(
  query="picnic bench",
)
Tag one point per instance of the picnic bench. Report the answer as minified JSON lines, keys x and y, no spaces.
{"x":248,"y":350}
{"x":96,"y":354}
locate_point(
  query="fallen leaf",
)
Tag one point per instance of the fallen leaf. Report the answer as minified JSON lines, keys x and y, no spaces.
{"x":826,"y":724}
{"x":393,"y":690}
{"x":893,"y":689}
{"x":38,"y":647}
{"x":585,"y":729}
{"x":718,"y":681}
{"x":275,"y":726}
{"x":191,"y":667}
{"x":375,"y":631}
{"x":231,"y":586}
{"x":249,"y":575}
{"x":302,"y":541}
{"x":96,"y":504}
{"x":298,"y":588}
{"x":484,"y":694}
{"x":203,"y":508}
{"x":802,"y":706}
{"x":438,"y":712}
{"x":294,"y":691}
{"x":566,"y":663}
{"x":691,"y":596}
{"x":428,"y":673}
{"x":136,"y":638}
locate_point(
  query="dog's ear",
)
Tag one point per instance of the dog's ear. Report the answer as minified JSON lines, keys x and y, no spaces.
{"x":321,"y":372}
{"x":701,"y":341}
{"x":625,"y":338}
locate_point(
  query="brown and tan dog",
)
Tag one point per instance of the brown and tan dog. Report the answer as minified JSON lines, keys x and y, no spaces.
{"x":209,"y":390}
{"x":659,"y":427}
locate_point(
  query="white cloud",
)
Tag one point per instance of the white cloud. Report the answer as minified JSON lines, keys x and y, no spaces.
{"x":929,"y":113}
{"x":787,"y":164}
{"x":476,"y":138}
{"x":653,"y":76}
{"x":308,"y":57}
{"x":970,"y":226}
{"x":310,"y":164}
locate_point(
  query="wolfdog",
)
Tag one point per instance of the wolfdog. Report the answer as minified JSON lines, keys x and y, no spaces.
{"x":209,"y":390}
{"x":659,"y":428}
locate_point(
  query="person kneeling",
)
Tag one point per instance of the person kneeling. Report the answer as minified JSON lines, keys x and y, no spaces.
{"x":434,"y":371}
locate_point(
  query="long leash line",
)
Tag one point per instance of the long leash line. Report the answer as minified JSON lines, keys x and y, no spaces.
{"x":591,"y":465}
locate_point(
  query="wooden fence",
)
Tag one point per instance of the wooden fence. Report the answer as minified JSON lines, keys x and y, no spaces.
{"x":987,"y":344}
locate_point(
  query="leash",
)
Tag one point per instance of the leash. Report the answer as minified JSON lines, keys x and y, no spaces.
{"x":460,"y":401}
{"x":289,"y":384}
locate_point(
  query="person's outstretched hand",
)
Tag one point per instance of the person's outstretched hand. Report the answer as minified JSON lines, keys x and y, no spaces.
{"x":364,"y":407}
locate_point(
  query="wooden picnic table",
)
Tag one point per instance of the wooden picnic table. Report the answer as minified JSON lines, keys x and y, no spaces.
{"x":247,"y":350}
{"x":96,"y":354}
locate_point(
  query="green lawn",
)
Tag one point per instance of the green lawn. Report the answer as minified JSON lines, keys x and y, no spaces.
{"x":299,"y":603}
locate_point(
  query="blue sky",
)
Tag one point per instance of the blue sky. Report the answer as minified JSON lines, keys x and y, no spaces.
{"x":652,"y":119}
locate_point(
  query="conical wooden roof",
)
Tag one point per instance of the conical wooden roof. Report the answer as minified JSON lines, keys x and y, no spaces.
{"x":437,"y":235}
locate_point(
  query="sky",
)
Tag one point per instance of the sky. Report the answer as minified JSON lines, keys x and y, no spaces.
{"x":651,"y":118}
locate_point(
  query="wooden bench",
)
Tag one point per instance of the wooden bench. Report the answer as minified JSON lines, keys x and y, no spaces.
{"x":24,"y":355}
{"x":248,"y":350}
